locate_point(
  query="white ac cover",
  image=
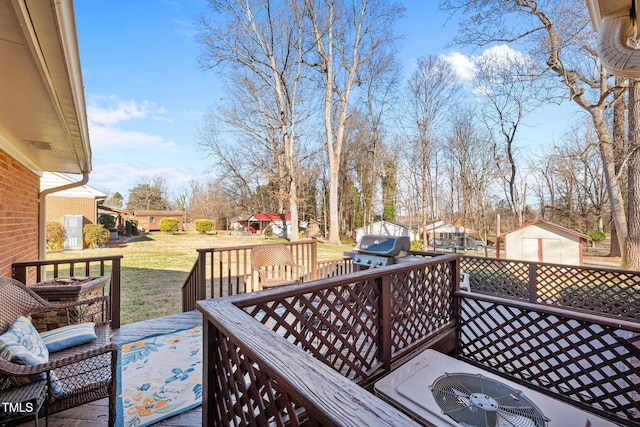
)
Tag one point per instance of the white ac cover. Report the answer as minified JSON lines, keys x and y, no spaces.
{"x":408,"y":388}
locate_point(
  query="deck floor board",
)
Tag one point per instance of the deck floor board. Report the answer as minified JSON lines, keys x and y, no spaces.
{"x":95,"y":414}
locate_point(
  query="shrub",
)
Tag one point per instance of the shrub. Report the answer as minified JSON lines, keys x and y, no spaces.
{"x":416,"y":245}
{"x":107,"y":220}
{"x":131,"y":227}
{"x":169,"y":225}
{"x":268,"y":232}
{"x":597,"y":236}
{"x":55,"y":236}
{"x":203,"y":225}
{"x":95,"y":235}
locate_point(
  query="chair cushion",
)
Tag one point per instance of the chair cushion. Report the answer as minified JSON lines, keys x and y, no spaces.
{"x":21,"y":344}
{"x":69,"y":336}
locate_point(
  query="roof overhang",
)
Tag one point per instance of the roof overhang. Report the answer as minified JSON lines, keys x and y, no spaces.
{"x":43,"y":121}
{"x":612,"y":19}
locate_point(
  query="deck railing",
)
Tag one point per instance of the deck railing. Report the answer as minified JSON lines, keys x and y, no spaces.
{"x":588,"y":360}
{"x":294,"y":354}
{"x":301,"y":353}
{"x":94,"y":266}
{"x":602,"y":290}
{"x":228,"y":271}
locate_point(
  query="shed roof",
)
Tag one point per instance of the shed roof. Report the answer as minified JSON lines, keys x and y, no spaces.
{"x":554,"y":225}
{"x":261,"y":216}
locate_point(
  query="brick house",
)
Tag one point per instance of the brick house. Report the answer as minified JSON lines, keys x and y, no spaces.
{"x":83,"y":200}
{"x":43,"y":123}
{"x":150,"y":220}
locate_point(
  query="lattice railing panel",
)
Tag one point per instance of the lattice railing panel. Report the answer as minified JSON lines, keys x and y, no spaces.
{"x":420,"y":304}
{"x":247,"y":395}
{"x":612,"y":292}
{"x":497,"y":277}
{"x":603,"y":291}
{"x":595,"y":365}
{"x":337,"y":325}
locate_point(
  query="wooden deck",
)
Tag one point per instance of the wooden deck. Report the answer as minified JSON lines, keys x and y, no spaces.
{"x":95,"y":414}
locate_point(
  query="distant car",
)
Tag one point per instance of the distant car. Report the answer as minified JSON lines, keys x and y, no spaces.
{"x":440,"y":241}
{"x":471,"y":243}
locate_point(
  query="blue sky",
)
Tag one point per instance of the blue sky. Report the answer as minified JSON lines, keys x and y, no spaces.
{"x":146,"y":96}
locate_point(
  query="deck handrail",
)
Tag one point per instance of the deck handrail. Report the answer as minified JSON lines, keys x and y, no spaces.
{"x":227,"y":270}
{"x":611,"y":292}
{"x":583,"y":358}
{"x":25,"y":271}
{"x":345,"y":322}
{"x":260,"y":347}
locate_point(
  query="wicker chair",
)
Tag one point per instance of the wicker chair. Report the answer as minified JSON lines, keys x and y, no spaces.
{"x":85,"y":372}
{"x":275,"y":266}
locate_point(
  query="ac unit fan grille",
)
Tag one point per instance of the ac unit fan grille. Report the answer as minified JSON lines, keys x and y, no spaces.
{"x":477,"y":401}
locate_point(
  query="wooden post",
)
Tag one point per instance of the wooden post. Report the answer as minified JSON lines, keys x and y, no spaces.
{"x":533,"y":292}
{"x":384,"y":285}
{"x":201,"y":286}
{"x":314,"y":260}
{"x":114,"y":290}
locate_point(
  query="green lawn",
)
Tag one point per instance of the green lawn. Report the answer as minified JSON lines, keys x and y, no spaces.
{"x":155,"y":266}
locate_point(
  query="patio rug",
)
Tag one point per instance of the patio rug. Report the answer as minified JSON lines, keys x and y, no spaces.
{"x":158,"y":377}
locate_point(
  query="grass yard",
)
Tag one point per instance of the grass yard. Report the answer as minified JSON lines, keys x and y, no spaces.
{"x":154,"y":267}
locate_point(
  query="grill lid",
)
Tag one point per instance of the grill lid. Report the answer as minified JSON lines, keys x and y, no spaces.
{"x":390,"y":246}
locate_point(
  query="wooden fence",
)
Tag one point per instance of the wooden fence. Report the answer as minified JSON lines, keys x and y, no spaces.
{"x":299,"y":355}
{"x":227,"y":271}
{"x":281,"y":356}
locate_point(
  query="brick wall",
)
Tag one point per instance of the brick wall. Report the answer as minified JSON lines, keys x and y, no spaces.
{"x":19,"y":188}
{"x":58,"y":207}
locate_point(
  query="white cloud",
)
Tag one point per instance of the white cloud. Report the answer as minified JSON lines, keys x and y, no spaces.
{"x":503,"y":55}
{"x":121,"y":176}
{"x":499,"y":56}
{"x":110,"y":110}
{"x":113,"y":137}
{"x":462,"y":64}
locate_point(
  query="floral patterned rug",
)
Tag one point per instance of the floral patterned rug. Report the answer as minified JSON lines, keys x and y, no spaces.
{"x":158,"y":377}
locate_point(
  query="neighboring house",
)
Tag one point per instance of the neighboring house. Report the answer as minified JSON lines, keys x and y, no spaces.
{"x":43,"y":120}
{"x":544,"y":241}
{"x":445,"y":230}
{"x":149,"y":220}
{"x":120,"y":216}
{"x":83,"y":200}
{"x":260,"y":221}
{"x":386,"y":228}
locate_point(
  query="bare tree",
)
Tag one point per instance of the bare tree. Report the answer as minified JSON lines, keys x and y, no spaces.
{"x":433,"y":89}
{"x":345,"y":34}
{"x":472,"y":159}
{"x":504,"y":80}
{"x":261,"y":42}
{"x":559,"y":36}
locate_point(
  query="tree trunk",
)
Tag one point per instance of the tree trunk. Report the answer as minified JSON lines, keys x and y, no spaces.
{"x":631,"y":257}
{"x":609,"y":167}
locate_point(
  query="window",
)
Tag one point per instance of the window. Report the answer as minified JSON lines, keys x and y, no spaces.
{"x":151,"y":220}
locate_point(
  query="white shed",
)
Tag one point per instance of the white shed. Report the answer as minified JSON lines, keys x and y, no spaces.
{"x":544,"y":241}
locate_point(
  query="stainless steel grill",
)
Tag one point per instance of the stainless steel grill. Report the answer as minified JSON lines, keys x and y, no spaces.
{"x":379,"y":251}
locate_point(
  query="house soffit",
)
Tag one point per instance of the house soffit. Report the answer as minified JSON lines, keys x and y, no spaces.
{"x":42,"y":114}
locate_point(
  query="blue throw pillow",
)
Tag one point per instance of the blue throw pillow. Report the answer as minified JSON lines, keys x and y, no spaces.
{"x":21,"y":344}
{"x":69,"y":336}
